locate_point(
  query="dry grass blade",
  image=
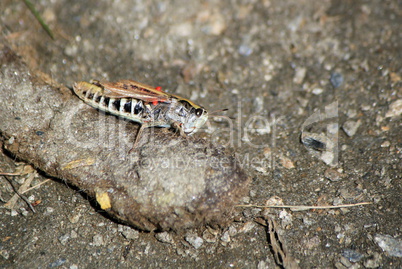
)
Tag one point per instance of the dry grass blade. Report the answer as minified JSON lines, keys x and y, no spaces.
{"x":11,"y":203}
{"x":305,"y":207}
{"x":36,"y":186}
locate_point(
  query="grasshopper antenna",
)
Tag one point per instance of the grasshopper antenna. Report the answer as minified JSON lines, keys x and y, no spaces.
{"x":219,"y":110}
{"x":213,"y":113}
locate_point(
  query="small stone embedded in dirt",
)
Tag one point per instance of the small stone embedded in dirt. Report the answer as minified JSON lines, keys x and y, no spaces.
{"x":300,"y":74}
{"x":209,"y":236}
{"x":391,"y":245}
{"x":336,"y":79}
{"x":64,"y":238}
{"x":165,"y":237}
{"x":332,"y":174}
{"x":98,"y":240}
{"x":350,"y":127}
{"x":225,"y":237}
{"x":345,"y":262}
{"x":395,"y":109}
{"x":130,"y":233}
{"x":352,"y":255}
{"x":57,"y":263}
{"x":194,"y":240}
{"x":375,"y":261}
{"x":385,"y":144}
{"x":327,"y":157}
{"x":286,"y":162}
{"x":317,"y":91}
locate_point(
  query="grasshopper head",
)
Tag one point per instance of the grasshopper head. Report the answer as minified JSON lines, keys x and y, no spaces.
{"x":195,"y":120}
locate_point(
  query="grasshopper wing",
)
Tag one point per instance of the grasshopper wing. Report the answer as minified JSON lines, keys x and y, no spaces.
{"x":133,"y":89}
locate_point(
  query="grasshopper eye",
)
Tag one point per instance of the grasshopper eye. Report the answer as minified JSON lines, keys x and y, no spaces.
{"x":199,"y":111}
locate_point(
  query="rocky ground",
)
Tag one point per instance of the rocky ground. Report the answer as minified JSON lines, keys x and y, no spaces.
{"x":315,"y":92}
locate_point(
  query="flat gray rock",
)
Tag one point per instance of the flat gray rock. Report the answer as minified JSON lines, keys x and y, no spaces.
{"x":168,"y":182}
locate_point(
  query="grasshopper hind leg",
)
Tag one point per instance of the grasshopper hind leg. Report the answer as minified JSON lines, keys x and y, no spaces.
{"x":176,"y":125}
{"x":138,"y":137}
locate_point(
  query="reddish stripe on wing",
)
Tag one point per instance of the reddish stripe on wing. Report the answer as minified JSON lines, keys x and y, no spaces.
{"x":159,"y":88}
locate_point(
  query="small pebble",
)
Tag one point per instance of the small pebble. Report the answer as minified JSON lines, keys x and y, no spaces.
{"x":286,"y":218}
{"x":352,"y":255}
{"x":235,"y":91}
{"x":389,"y":244}
{"x":129,"y":233}
{"x":49,"y":210}
{"x":395,"y":109}
{"x":74,"y":218}
{"x":302,"y":101}
{"x":213,"y":22}
{"x":395,"y":77}
{"x":183,"y":29}
{"x":209,"y":237}
{"x":248,"y":226}
{"x":333,"y":128}
{"x":351,"y":113}
{"x":14,"y":213}
{"x":98,"y":240}
{"x":164,"y":237}
{"x":317,"y":91}
{"x":225,"y":237}
{"x":258,"y":104}
{"x":385,"y":128}
{"x":63,"y":239}
{"x":350,"y":127}
{"x":57,"y":263}
{"x":5,"y":254}
{"x":346,"y":193}
{"x":24,"y":212}
{"x":312,"y":243}
{"x":386,"y":144}
{"x":328,"y":157}
{"x":374,"y":262}
{"x":262,"y":265}
{"x":299,"y":75}
{"x":286,"y":162}
{"x":339,"y":265}
{"x":194,"y":240}
{"x":73,"y":234}
{"x":11,"y":140}
{"x":332,"y":175}
{"x":336,"y":79}
{"x":232,"y":231}
{"x":71,"y":50}
{"x":245,"y":50}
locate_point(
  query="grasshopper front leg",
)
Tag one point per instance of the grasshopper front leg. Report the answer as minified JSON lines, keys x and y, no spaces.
{"x":179,"y":127}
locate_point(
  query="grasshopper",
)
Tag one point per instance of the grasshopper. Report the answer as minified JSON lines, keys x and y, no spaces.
{"x":149,"y":106}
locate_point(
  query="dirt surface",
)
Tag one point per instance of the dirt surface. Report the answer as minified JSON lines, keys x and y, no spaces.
{"x":315,"y":90}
